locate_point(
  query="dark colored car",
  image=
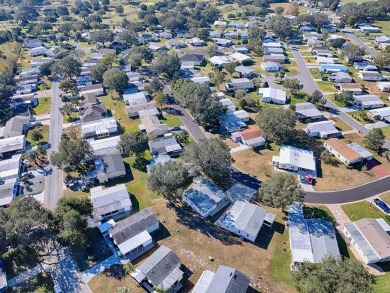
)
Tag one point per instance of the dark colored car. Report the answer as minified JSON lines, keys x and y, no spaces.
{"x":382,"y":205}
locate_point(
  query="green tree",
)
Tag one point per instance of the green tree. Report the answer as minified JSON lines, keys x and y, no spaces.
{"x":108,"y":60}
{"x":168,"y":179}
{"x":73,"y":229}
{"x":102,"y":37}
{"x":160,"y":98}
{"x":36,"y":135}
{"x":69,"y":87}
{"x":328,"y":158}
{"x":375,"y":139}
{"x":183,"y":136}
{"x":128,"y":38}
{"x":230,"y":67}
{"x":211,"y":158}
{"x":66,"y":109}
{"x":115,"y":80}
{"x":132,"y":143}
{"x":338,"y":43}
{"x":280,"y":26}
{"x":345,"y":98}
{"x":45,"y":69}
{"x":276,"y":122}
{"x":293,"y":85}
{"x":281,"y":190}
{"x":217,"y":77}
{"x":71,"y":152}
{"x":168,"y":64}
{"x":317,"y":98}
{"x":334,"y":275}
{"x":352,"y":52}
{"x":155,"y":85}
{"x":67,"y":67}
{"x":279,"y":10}
{"x":7,"y":84}
{"x":96,"y":72}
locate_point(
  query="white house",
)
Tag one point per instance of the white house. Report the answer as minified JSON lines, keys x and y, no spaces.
{"x":322,"y":129}
{"x":371,"y":239}
{"x":252,"y":137}
{"x":273,"y":95}
{"x":269,"y":66}
{"x":242,"y":115}
{"x":37,"y":51}
{"x":245,"y":220}
{"x":228,"y":104}
{"x":96,"y":89}
{"x":295,"y":159}
{"x":205,"y":197}
{"x":307,"y":110}
{"x":99,"y":128}
{"x":370,"y":75}
{"x":370,"y":29}
{"x":111,"y":202}
{"x":135,"y":98}
{"x":12,"y":144}
{"x":383,"y":86}
{"x":382,"y":114}
{"x":240,"y":83}
{"x":132,"y":235}
{"x":348,"y":154}
{"x":153,"y":126}
{"x":368,"y":101}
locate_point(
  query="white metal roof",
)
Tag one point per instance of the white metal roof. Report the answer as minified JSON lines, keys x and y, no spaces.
{"x":99,"y":126}
{"x":134,"y":242}
{"x":297,"y":157}
{"x":274,"y":94}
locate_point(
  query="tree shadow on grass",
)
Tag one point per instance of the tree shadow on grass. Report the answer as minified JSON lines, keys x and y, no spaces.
{"x":190,"y":219}
{"x":116,"y":272}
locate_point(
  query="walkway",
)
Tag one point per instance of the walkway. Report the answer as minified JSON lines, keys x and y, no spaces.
{"x":100,"y":267}
{"x":26,"y":275}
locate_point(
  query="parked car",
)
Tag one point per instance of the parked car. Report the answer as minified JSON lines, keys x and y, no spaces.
{"x":176,"y":128}
{"x":382,"y":205}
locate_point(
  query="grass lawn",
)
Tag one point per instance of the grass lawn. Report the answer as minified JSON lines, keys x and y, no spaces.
{"x":72,"y":117}
{"x":171,"y":120}
{"x":292,"y":68}
{"x":337,"y":103}
{"x":383,"y":282}
{"x":44,"y":129}
{"x":117,"y":110}
{"x":384,"y":25}
{"x":386,"y":197}
{"x":257,"y":163}
{"x":10,"y":50}
{"x":315,"y":73}
{"x":360,"y":116}
{"x":363,"y":209}
{"x":43,"y":106}
{"x":386,"y":131}
{"x":340,"y":124}
{"x":326,"y":86}
{"x":41,"y":283}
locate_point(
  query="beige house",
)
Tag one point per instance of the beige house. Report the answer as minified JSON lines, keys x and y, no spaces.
{"x":153,"y":126}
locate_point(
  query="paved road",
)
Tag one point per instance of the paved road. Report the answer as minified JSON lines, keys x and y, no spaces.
{"x":361,"y":43}
{"x":349,"y":195}
{"x":193,"y":128}
{"x":53,"y":182}
{"x":309,"y":85}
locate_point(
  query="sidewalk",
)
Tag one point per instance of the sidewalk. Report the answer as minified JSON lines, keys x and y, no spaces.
{"x":87,"y":275}
{"x":26,"y":275}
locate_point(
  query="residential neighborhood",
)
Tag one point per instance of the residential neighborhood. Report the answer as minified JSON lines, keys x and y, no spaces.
{"x":191,"y":146}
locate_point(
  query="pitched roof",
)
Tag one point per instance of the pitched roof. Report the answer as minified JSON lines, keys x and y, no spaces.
{"x":151,"y":123}
{"x":251,"y":133}
{"x":228,"y":280}
{"x":343,"y":149}
{"x":191,"y":58}
{"x":160,"y":265}
{"x":110,"y":199}
{"x":132,"y":226}
{"x":15,"y":126}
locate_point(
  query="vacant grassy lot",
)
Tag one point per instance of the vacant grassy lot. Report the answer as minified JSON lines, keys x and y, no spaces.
{"x":286,"y":6}
{"x":257,"y":163}
{"x":326,"y":86}
{"x":363,"y":209}
{"x":171,"y":120}
{"x":43,"y":106}
{"x":117,"y":109}
{"x":340,"y":124}
{"x":44,"y":129}
{"x":10,"y":50}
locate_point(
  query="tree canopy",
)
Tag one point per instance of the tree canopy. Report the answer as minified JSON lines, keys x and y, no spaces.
{"x":276,"y":122}
{"x":168,"y":64}
{"x":168,"y":179}
{"x":67,"y":67}
{"x":375,"y":139}
{"x":7,"y":84}
{"x":115,"y":80}
{"x":211,"y":158}
{"x":71,"y":152}
{"x":132,"y":143}
{"x":281,"y":190}
{"x":334,"y":276}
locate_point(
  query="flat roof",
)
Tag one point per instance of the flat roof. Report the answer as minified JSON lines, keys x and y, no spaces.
{"x":110,"y":199}
{"x":297,"y":157}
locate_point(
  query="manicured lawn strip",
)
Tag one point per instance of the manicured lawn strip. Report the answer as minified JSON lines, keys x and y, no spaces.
{"x":43,"y":106}
{"x":341,"y":125}
{"x":386,"y":131}
{"x":363,"y":209}
{"x":326,"y":86}
{"x":171,"y":120}
{"x":383,"y":282}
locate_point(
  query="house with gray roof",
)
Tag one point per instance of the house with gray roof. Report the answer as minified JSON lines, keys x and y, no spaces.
{"x":111,"y":202}
{"x":310,"y":239}
{"x":368,"y":102}
{"x":245,"y":220}
{"x":142,"y":110}
{"x":246,"y":71}
{"x":93,"y":113}
{"x":132,"y":235}
{"x":16,"y":126}
{"x":205,"y":197}
{"x":308,"y":111}
{"x":240,"y":84}
{"x":160,"y":270}
{"x":107,"y":168}
{"x":371,"y":239}
{"x":7,"y":192}
{"x":231,"y":123}
{"x":12,"y":144}
{"x":165,"y":145}
{"x":224,"y":280}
